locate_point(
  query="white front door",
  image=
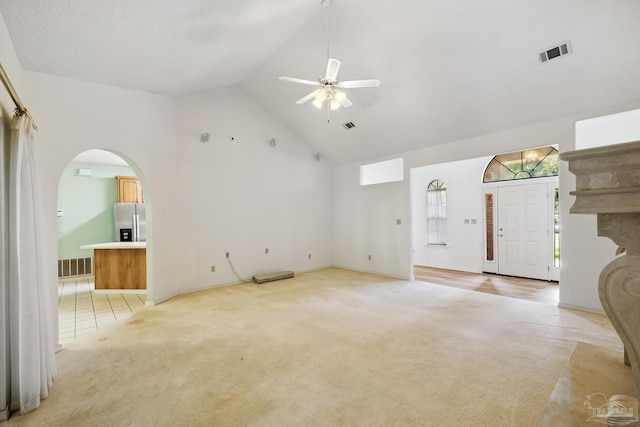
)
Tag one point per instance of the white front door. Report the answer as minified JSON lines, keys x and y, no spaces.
{"x":523,"y":231}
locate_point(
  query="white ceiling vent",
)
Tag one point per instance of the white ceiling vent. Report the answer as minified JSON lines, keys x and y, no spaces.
{"x":555,"y":52}
{"x":349,"y":125}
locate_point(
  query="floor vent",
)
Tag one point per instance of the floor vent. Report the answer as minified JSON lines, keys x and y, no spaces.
{"x":72,"y":267}
{"x":555,"y":52}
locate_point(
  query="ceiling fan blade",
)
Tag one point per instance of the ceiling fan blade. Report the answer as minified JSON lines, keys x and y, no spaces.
{"x":351,"y":84}
{"x":346,"y":102}
{"x":333,"y":66}
{"x":306,"y":98}
{"x":295,"y":80}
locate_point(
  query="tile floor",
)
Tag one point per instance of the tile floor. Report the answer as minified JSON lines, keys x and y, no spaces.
{"x":81,"y":311}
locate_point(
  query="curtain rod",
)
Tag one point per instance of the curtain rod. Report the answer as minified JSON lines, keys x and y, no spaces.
{"x":20,"y":108}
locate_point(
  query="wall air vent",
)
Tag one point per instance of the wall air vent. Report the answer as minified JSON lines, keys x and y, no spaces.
{"x":555,"y":52}
{"x":349,"y":125}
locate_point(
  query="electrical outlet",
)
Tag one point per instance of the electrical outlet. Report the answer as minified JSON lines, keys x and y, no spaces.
{"x":266,"y":250}
{"x":227,"y":254}
{"x":398,"y":221}
{"x":309,"y":256}
{"x":369,"y":257}
{"x":213,"y":268}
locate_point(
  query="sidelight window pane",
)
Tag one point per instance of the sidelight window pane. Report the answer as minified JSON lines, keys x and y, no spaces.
{"x":488,"y":214}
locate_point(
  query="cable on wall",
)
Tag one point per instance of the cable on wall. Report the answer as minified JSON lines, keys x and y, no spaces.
{"x":234,"y":270}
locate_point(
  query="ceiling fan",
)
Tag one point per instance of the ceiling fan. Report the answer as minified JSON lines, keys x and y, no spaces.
{"x":329,"y":83}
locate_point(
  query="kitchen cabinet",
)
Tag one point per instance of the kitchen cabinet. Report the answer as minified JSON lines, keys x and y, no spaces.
{"x":129,"y":190}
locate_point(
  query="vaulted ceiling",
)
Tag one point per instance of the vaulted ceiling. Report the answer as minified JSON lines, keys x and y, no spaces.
{"x":449,"y":69}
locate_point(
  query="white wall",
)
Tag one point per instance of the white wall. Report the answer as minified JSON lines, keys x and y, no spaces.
{"x":75,"y":116}
{"x":203,"y":199}
{"x":464,"y":250}
{"x":353,"y":205}
{"x":362,"y":212}
{"x":365,"y":223}
{"x":244,"y":196}
{"x":12,"y":67}
{"x":597,"y":131}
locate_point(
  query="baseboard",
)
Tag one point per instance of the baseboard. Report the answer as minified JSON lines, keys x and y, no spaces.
{"x":311,"y":270}
{"x":220,"y":285}
{"x":580,"y":308}
{"x":391,"y":276}
{"x":454,"y":268}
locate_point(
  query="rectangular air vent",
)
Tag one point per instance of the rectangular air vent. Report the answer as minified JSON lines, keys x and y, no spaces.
{"x":349,"y":125}
{"x":71,"y":267}
{"x":555,"y":52}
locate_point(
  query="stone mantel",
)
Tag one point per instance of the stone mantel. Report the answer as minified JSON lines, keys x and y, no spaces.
{"x":607,"y":178}
{"x":608,"y":184}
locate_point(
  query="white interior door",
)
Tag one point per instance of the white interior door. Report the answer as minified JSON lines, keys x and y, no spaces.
{"x":523,"y":231}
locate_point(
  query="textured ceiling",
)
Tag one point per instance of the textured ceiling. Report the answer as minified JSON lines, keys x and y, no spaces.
{"x":449,"y":69}
{"x":170,"y":47}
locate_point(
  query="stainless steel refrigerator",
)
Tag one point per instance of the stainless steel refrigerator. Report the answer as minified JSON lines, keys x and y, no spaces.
{"x":131,"y":222}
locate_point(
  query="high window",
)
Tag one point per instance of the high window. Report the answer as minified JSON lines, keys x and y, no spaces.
{"x":382,"y":172}
{"x":437,"y":213}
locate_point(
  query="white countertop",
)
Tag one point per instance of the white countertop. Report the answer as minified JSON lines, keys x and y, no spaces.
{"x":116,"y":245}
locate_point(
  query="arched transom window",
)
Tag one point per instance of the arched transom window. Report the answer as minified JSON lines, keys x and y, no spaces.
{"x":535,"y":163}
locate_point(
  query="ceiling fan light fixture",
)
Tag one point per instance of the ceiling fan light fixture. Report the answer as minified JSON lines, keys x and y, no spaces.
{"x":329,"y":83}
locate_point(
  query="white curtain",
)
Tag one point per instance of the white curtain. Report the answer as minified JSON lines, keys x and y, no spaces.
{"x":31,"y":321}
{"x":436,"y":217}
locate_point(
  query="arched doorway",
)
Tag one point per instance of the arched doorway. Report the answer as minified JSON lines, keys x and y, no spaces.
{"x":521,"y":214}
{"x":87,"y":209}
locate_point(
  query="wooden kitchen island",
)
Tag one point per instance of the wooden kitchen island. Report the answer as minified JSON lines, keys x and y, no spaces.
{"x":119,"y":265}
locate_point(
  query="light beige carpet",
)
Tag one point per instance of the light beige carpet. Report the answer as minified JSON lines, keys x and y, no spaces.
{"x":327,"y":348}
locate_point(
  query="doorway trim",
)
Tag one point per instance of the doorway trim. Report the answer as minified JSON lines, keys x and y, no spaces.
{"x":492,"y":265}
{"x":149,"y":214}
